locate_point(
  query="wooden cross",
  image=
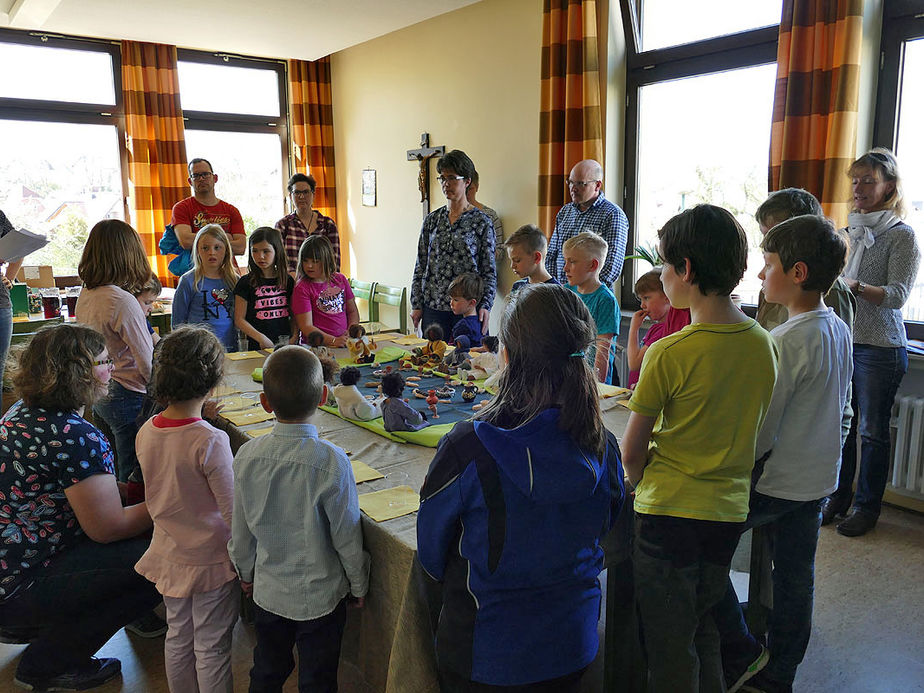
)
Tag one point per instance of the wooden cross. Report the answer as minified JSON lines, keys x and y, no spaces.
{"x":423,"y":156}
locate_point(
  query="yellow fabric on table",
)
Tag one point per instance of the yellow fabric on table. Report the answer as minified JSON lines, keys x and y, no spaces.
{"x":257,"y":432}
{"x":410,"y":340}
{"x":390,"y":503}
{"x":363,"y":472}
{"x":237,"y":403}
{"x":255,"y":415}
{"x":605,"y":391}
{"x":244,"y":355}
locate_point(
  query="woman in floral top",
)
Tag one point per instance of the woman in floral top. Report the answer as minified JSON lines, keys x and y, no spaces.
{"x":455,"y":239}
{"x":67,"y":556}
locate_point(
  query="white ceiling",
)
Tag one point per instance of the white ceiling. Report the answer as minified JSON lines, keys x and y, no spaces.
{"x":304,"y":29}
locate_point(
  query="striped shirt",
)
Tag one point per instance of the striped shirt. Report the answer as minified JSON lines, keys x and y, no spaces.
{"x":294,"y":234}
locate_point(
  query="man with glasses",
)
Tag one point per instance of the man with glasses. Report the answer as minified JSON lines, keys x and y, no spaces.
{"x":589,"y":211}
{"x":204,"y":207}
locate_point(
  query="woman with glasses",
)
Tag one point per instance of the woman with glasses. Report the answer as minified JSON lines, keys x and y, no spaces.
{"x":455,"y":239}
{"x":305,"y":221}
{"x":881,"y":270}
{"x":67,"y":578}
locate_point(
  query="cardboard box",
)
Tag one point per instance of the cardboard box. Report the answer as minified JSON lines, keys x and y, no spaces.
{"x":37,"y":276}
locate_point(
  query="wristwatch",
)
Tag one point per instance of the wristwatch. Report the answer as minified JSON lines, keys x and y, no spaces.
{"x":861,"y":287}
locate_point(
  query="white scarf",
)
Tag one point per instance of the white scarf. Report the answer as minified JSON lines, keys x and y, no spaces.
{"x":864,"y":229}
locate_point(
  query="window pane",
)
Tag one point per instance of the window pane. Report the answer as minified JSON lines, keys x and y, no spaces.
{"x":56,"y":74}
{"x":228,"y":89}
{"x":249,"y":170}
{"x":706,"y":139}
{"x":910,"y":151}
{"x":59,"y":179}
{"x":672,"y":22}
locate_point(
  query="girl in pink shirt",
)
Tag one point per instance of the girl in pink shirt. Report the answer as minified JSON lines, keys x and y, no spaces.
{"x":322,"y":300}
{"x":666,"y":319}
{"x":190,"y":492}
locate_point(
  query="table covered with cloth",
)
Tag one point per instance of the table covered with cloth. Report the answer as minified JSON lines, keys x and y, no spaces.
{"x":389,"y":641}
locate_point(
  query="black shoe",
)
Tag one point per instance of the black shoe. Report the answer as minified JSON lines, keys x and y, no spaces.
{"x":735,"y":677}
{"x":148,"y":626}
{"x":18,"y":636}
{"x":831,"y":510}
{"x":762,"y":684}
{"x":94,"y":674}
{"x":857,"y":524}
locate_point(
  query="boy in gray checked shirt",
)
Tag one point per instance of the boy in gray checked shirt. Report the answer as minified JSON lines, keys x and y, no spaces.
{"x":296,"y":540}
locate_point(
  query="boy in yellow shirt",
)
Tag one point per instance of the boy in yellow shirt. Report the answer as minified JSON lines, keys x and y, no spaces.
{"x":690,"y":446}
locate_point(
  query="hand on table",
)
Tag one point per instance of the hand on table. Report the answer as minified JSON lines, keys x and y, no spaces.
{"x":339,"y":341}
{"x":265,"y":342}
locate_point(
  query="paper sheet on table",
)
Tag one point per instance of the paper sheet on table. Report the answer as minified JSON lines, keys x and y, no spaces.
{"x":363,"y":472}
{"x":409,"y":340}
{"x":388,"y":336}
{"x":244,"y":355}
{"x":378,"y":504}
{"x":257,"y":432}
{"x":255,"y":415}
{"x":605,"y":391}
{"x":20,"y":242}
{"x":237,"y":403}
{"x":224,"y":391}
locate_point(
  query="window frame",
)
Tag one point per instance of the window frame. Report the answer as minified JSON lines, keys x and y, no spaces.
{"x":52,"y":111}
{"x":902,"y":20}
{"x":717,"y":54}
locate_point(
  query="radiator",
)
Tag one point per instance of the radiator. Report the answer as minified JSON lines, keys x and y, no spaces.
{"x":908,"y":451}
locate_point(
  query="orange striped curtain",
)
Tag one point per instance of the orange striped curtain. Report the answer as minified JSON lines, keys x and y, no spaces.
{"x":570,"y":120}
{"x":813,"y":137}
{"x":156,"y":144}
{"x":313,"y":128}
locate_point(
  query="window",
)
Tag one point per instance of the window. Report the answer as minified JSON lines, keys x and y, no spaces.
{"x":232,"y":107}
{"x":899,"y":112}
{"x":61,"y":138}
{"x":698,"y":118}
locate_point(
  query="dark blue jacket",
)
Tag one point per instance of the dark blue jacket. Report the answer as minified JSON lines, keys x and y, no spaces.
{"x":510,"y":523}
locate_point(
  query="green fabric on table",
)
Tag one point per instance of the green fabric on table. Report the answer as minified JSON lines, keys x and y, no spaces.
{"x":386,"y":354}
{"x":428,"y":437}
{"x":257,"y":375}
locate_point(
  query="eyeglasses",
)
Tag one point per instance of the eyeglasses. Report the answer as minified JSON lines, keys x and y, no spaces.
{"x":302,"y":193}
{"x":579,"y":183}
{"x":449,"y":179}
{"x":103,"y":362}
{"x":199,"y":176}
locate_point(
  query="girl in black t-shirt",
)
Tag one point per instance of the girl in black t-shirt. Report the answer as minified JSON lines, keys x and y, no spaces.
{"x":261,"y":306}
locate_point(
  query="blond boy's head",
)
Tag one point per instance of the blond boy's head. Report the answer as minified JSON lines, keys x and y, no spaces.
{"x":526,"y":249}
{"x":584,"y":255}
{"x":293,"y":383}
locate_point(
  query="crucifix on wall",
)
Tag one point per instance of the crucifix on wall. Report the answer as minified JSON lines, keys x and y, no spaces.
{"x":422,"y":155}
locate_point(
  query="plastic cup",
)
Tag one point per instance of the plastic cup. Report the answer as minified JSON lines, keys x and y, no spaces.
{"x":51,"y":303}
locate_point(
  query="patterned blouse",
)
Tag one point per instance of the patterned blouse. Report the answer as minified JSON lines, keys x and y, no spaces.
{"x":294,"y":234}
{"x":447,"y":250}
{"x":42,"y":453}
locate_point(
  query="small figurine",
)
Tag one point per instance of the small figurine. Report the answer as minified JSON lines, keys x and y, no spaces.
{"x":435,"y":348}
{"x":468,"y":392}
{"x":454,"y":361}
{"x":316,"y":344}
{"x":432,"y":399}
{"x":329,"y":368}
{"x":350,"y":400}
{"x":396,"y":413}
{"x":360,"y":346}
{"x":485,"y":360}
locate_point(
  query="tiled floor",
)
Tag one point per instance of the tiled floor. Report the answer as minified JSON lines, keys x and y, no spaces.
{"x":868,"y":635}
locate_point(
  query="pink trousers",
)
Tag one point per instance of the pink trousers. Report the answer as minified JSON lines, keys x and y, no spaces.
{"x":197,"y":650}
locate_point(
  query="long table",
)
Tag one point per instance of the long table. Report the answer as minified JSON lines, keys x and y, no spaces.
{"x":389,"y":641}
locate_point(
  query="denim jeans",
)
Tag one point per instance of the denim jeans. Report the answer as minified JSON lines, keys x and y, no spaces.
{"x":877,"y":373}
{"x":681,"y":567}
{"x":318,"y":644}
{"x":119,"y":409}
{"x":792,"y":527}
{"x":6,"y":333}
{"x":78,"y":602}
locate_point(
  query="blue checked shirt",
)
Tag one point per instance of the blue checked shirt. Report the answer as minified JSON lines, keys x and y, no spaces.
{"x":447,"y":250}
{"x":603,"y":218}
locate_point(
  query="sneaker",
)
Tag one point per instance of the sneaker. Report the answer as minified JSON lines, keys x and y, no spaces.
{"x":831,"y":510}
{"x":96,"y":673}
{"x":762,"y":684}
{"x":148,"y":626}
{"x":736,"y":678}
{"x":10,"y":635}
{"x":857,"y":524}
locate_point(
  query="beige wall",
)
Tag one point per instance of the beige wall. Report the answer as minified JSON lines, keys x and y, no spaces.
{"x":471,"y":79}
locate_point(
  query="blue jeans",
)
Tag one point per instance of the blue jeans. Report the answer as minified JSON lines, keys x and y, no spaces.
{"x":120,"y":409}
{"x":6,"y":333}
{"x":681,"y":567}
{"x":877,"y":373}
{"x":78,"y":602}
{"x":792,"y":527}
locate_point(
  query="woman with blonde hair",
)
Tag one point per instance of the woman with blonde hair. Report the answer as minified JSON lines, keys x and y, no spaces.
{"x":881,"y":270}
{"x":114,"y":267}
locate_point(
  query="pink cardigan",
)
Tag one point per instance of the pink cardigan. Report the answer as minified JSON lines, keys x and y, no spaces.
{"x":189,"y":490}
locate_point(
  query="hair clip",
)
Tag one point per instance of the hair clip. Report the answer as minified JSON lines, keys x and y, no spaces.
{"x":577,"y":354}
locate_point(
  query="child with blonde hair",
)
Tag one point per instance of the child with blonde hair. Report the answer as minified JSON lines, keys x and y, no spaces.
{"x":205,"y":294}
{"x":189,"y":491}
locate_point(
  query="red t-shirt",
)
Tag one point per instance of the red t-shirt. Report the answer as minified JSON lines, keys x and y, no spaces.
{"x":675,"y":320}
{"x":196,"y":215}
